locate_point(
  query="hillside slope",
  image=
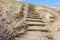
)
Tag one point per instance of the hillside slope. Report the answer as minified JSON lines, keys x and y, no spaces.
{"x":23,"y":21}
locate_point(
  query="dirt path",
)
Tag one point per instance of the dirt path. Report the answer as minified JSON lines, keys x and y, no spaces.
{"x":54,"y":27}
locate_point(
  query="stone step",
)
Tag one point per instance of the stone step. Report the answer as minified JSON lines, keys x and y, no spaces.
{"x":37,"y":27}
{"x":33,"y":13}
{"x":35,"y":20}
{"x":37,"y":23}
{"x":47,"y":38}
{"x":44,"y":38}
{"x":31,"y":35}
{"x":34,"y":17}
{"x":41,"y":30}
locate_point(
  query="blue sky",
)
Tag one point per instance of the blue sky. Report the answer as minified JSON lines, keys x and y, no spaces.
{"x":54,"y":3}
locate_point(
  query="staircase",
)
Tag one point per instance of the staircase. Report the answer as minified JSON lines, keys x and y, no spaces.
{"x":37,"y":29}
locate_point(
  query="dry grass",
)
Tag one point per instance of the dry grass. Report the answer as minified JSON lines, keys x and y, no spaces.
{"x":9,"y":10}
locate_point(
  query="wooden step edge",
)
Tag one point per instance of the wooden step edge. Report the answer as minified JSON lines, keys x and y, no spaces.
{"x":36,"y":21}
{"x":38,"y":30}
{"x":48,"y":37}
{"x":36,"y":24}
{"x":33,"y":18}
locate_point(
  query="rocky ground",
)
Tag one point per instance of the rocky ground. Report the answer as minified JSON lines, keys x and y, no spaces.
{"x":22,"y":21}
